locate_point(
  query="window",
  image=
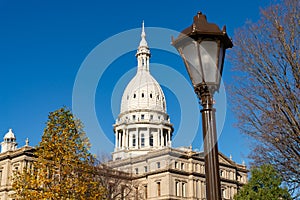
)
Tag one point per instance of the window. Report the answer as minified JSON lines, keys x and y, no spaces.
{"x":182,"y":166}
{"x":176,"y":164}
{"x":143,"y":95}
{"x":223,"y":192}
{"x":158,"y":188}
{"x":142,"y":116}
{"x":122,"y":192}
{"x":183,"y":190}
{"x":133,"y":117}
{"x":146,"y":191}
{"x":177,"y":188}
{"x":136,"y":170}
{"x":151,"y":117}
{"x":145,"y":169}
{"x":134,"y":95}
{"x":150,"y":95}
{"x":133,"y":140}
{"x":142,"y":140}
{"x":151,"y":140}
{"x":0,"y":177}
{"x":158,"y":165}
{"x":221,"y":173}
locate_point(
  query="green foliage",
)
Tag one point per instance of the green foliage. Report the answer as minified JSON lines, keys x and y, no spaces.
{"x":264,"y":184}
{"x":64,"y":167}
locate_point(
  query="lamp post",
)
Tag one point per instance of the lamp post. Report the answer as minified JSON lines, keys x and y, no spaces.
{"x":202,"y":47}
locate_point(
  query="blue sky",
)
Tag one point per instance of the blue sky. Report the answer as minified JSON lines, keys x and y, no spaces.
{"x":44,"y":43}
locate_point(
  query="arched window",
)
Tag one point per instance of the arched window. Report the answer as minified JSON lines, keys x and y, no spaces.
{"x":143,"y":95}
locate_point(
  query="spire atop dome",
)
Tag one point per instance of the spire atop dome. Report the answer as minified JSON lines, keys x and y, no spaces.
{"x":143,"y":42}
{"x":143,"y":52}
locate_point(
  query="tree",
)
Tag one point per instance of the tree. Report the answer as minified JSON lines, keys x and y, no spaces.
{"x":63,"y":169}
{"x":118,"y":184}
{"x":266,"y":95}
{"x":264,"y":184}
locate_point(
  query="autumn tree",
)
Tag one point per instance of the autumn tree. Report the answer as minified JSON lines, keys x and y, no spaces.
{"x":265,"y":183}
{"x":266,"y":95}
{"x":64,"y":168}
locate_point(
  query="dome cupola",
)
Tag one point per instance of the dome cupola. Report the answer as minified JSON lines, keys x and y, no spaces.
{"x":9,"y":135}
{"x":9,"y":143}
{"x":143,"y":123}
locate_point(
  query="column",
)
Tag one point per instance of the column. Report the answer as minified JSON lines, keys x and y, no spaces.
{"x":116,"y":140}
{"x":126,"y":139}
{"x":198,"y":191}
{"x":169,"y":138}
{"x":147,"y":138}
{"x":158,"y":137}
{"x":137,"y":136}
{"x":161,"y":137}
{"x":127,"y":132}
{"x":122,"y":140}
{"x":119,"y":139}
{"x":130,"y":140}
{"x":155,"y":136}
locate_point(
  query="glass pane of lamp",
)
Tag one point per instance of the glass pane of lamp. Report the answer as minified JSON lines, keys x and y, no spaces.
{"x":191,"y":55}
{"x":220,"y":62}
{"x":209,"y":57}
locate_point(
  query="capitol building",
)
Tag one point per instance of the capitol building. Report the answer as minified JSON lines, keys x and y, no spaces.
{"x":143,"y":146}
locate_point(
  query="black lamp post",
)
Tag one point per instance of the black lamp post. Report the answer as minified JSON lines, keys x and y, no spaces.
{"x":202,"y":47}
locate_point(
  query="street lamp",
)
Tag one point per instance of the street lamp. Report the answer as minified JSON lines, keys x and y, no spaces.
{"x":202,"y":47}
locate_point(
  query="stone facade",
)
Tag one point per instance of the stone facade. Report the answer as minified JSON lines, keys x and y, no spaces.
{"x":178,"y":173}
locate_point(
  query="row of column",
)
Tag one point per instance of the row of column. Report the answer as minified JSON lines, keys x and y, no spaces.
{"x":199,"y":189}
{"x":137,"y":139}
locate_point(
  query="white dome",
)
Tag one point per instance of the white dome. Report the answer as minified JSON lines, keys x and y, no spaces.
{"x":143,"y":92}
{"x":9,"y":135}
